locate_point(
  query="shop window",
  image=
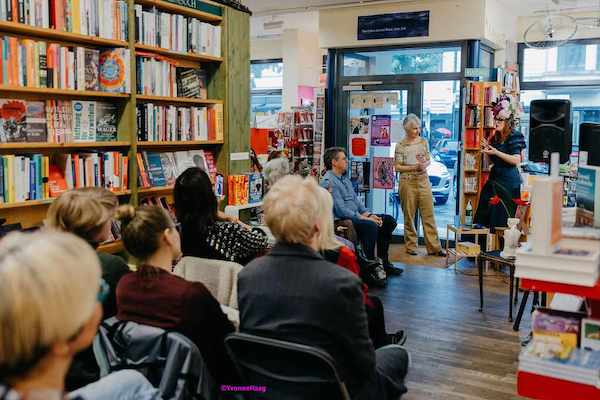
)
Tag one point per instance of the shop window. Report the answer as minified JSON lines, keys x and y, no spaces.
{"x":576,"y":61}
{"x":266,"y":83}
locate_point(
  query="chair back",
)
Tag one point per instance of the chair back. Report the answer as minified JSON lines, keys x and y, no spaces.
{"x":286,"y":370}
{"x":169,"y":360}
{"x":220,"y":277}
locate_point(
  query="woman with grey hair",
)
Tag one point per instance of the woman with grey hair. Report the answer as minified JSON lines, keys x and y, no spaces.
{"x":411,"y":160}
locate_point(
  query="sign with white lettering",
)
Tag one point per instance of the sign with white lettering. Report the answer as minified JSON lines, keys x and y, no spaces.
{"x":397,"y":25}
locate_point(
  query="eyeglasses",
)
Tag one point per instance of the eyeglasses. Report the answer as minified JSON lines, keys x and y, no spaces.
{"x":103,"y":291}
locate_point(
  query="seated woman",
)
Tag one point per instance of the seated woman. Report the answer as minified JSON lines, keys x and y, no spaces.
{"x":88,"y":213}
{"x":50,"y":291}
{"x":204,"y":231}
{"x":154,"y":296}
{"x":333,"y":251}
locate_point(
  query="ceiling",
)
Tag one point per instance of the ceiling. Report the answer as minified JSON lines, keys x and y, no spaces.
{"x":522,"y":7}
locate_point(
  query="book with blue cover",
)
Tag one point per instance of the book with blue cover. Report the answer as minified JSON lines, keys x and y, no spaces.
{"x":255,"y":192}
{"x":155,"y":169}
{"x":588,"y":196}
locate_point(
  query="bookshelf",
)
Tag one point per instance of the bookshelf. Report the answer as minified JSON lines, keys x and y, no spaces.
{"x":227,"y":85}
{"x":478,"y":124}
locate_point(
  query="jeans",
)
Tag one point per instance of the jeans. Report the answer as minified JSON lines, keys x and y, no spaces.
{"x":122,"y":385}
{"x":369,"y":234}
{"x":391,"y":365}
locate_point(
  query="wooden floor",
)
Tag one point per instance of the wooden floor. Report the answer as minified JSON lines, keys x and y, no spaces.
{"x":457,"y":352}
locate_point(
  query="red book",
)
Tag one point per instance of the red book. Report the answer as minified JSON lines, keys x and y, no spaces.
{"x":56,"y":181}
{"x":212,"y":124}
{"x":15,"y":11}
{"x":52,"y":8}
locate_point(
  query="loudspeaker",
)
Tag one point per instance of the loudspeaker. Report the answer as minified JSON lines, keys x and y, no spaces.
{"x":589,"y":140}
{"x":550,"y":130}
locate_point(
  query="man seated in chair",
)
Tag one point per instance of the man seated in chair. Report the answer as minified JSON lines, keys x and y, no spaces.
{"x":372,"y":229}
{"x":294,"y":294}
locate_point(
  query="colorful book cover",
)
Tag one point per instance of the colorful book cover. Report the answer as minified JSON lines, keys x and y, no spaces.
{"x":114,"y":70}
{"x":155,"y":170}
{"x":199,"y":160}
{"x":35,"y":122}
{"x":255,"y":191}
{"x":56,"y":181}
{"x":106,"y":122}
{"x":183,"y":161}
{"x":588,"y":196}
{"x":92,"y":61}
{"x":168,"y":167}
{"x":84,"y":121}
{"x":381,"y":126}
{"x":383,"y":173}
{"x":12,"y":120}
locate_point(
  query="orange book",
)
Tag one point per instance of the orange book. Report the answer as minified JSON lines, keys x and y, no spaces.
{"x":117,"y":168}
{"x":60,"y":15}
{"x":29,"y":65}
{"x":56,"y":181}
{"x":77,"y":177}
{"x":125,"y":171}
{"x":212,"y":124}
{"x":15,"y":11}
{"x":142,"y":171}
{"x":218,"y":108}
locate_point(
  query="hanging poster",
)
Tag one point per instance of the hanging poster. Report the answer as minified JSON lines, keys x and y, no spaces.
{"x":359,"y":136}
{"x":383,"y":173}
{"x":381,"y":126}
{"x":356,"y":101}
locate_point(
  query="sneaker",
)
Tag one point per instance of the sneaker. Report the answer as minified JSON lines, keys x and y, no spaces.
{"x":391,"y":269}
{"x":380,"y":272}
{"x":398,"y":338}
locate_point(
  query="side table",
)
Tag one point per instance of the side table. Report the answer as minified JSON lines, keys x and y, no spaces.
{"x":494,"y":257}
{"x":458,"y":231}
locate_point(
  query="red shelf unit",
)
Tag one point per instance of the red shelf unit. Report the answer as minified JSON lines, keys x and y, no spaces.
{"x":545,"y":388}
{"x":592,"y":293}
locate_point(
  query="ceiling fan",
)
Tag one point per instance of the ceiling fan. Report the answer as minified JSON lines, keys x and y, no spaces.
{"x":553,"y":30}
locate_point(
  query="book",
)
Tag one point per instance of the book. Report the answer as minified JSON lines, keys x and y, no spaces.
{"x":114,"y":70}
{"x":199,"y":160}
{"x":84,"y":121}
{"x":155,"y":171}
{"x":35,"y":121}
{"x":383,"y":173}
{"x":588,"y":196}
{"x":167,"y":161}
{"x":238,"y":190}
{"x":381,"y":126}
{"x":183,"y":161}
{"x":13,"y":120}
{"x":92,"y":69}
{"x":106,"y":122}
{"x":255,"y":188}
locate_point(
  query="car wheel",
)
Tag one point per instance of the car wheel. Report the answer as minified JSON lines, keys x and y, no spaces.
{"x":440,"y":201}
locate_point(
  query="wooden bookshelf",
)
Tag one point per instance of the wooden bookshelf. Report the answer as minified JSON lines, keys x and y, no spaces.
{"x":178,"y":100}
{"x":51,"y":92}
{"x":59,"y":146}
{"x":45,"y":202}
{"x":194,"y":57}
{"x":56,"y":35}
{"x":112,"y":247}
{"x":176,"y":9}
{"x":187,"y":143}
{"x":155,"y":190}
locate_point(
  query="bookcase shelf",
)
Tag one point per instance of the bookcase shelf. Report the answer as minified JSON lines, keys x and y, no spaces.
{"x":155,"y":190}
{"x":181,"y":100}
{"x":79,"y":145}
{"x":53,"y":34}
{"x":188,"y":143}
{"x":174,"y":8}
{"x":195,"y":57}
{"x":51,"y":92}
{"x":45,"y":202}
{"x":112,"y":247}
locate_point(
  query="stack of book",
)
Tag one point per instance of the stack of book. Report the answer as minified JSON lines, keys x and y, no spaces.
{"x":171,"y":123}
{"x":176,"y":32}
{"x":39,"y":64}
{"x":472,"y":117}
{"x":491,"y":94}
{"x":104,"y":18}
{"x":23,"y":178}
{"x":57,"y":121}
{"x":472,"y":94}
{"x":161,"y":169}
{"x":160,"y":76}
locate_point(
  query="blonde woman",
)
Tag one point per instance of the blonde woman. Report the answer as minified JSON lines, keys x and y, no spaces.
{"x":49,"y":307}
{"x":294,"y":294}
{"x":335,"y":252}
{"x":412,"y":159}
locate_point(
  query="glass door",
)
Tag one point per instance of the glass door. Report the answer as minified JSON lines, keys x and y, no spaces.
{"x":374,"y":123}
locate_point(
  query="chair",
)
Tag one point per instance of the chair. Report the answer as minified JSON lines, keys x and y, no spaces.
{"x":220,"y":277}
{"x":169,"y":360}
{"x":288,"y":370}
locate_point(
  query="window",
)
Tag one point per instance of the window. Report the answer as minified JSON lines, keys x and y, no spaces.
{"x":576,"y":61}
{"x":403,"y":61}
{"x":266,"y":83}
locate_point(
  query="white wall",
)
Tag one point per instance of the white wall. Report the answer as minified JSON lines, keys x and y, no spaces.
{"x":448,"y":20}
{"x":501,"y":29}
{"x":265,"y":49}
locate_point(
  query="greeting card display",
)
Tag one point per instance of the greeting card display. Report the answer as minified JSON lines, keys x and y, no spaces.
{"x":381,"y":126}
{"x":383,"y":173}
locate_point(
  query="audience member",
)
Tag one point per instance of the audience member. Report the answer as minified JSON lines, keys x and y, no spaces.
{"x":294,"y":294}
{"x":49,"y":291}
{"x":372,"y":229}
{"x":154,"y":296}
{"x":333,"y":251}
{"x":88,"y":213}
{"x":204,"y":233}
{"x":277,"y":167}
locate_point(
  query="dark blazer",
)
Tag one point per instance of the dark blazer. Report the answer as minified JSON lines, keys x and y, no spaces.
{"x":294,"y":294}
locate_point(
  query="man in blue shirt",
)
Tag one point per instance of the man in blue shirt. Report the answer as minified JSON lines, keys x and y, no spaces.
{"x":371,"y":228}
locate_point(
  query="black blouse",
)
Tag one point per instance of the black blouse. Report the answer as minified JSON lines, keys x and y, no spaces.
{"x":514,"y":144}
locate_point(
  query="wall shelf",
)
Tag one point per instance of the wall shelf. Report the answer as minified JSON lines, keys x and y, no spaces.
{"x":155,"y":190}
{"x":174,"y":8}
{"x":181,"y":143}
{"x":51,"y":92}
{"x":182,"y":100}
{"x":78,"y":145}
{"x":195,"y":57}
{"x":45,"y":202}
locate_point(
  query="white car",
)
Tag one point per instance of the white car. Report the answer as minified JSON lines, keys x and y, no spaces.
{"x":441,"y":180}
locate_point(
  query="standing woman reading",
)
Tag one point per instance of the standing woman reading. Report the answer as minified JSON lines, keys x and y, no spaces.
{"x":505,"y":149}
{"x":411,"y":160}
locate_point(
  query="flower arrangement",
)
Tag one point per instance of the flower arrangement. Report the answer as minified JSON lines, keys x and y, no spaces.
{"x":505,"y":109}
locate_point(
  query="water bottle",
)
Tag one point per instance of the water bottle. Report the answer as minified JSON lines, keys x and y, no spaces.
{"x":469,"y":215}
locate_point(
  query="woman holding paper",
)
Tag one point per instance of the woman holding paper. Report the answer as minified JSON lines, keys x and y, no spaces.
{"x":505,"y":149}
{"x":411,"y":160}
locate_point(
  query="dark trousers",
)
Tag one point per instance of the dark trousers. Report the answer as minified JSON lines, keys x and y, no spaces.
{"x":369,"y":235}
{"x":376,"y":321}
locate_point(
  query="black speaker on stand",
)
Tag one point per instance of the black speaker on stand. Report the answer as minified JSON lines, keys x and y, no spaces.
{"x":550,"y":130}
{"x":589,"y":140}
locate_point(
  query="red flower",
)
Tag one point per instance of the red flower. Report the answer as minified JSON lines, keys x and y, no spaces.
{"x":495,"y":200}
{"x":520,"y":202}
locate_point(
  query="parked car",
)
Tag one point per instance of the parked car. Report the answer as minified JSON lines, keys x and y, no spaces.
{"x":440,"y":180}
{"x":447,"y":150}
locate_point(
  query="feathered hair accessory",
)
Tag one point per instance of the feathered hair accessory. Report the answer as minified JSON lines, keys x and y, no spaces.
{"x":504,"y":109}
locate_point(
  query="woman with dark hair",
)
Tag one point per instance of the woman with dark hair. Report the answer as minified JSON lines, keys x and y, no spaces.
{"x":205,"y":231}
{"x":505,"y":149}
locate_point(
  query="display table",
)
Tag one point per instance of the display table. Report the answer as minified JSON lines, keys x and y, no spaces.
{"x":458,"y":231}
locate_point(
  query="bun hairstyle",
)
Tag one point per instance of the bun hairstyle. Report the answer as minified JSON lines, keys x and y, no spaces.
{"x":142,"y":228}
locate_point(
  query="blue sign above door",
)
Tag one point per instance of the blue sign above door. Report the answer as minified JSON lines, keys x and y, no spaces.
{"x":397,"y":25}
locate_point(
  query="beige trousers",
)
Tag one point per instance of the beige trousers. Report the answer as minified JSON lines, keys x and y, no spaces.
{"x":415,"y":194}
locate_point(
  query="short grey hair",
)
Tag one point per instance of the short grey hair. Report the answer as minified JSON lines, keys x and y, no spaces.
{"x":411,"y":118}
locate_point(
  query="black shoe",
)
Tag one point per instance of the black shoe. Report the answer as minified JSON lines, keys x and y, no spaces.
{"x":372,"y":279}
{"x":440,"y":253}
{"x":390,"y":269}
{"x":398,"y":338}
{"x":412,"y":252}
